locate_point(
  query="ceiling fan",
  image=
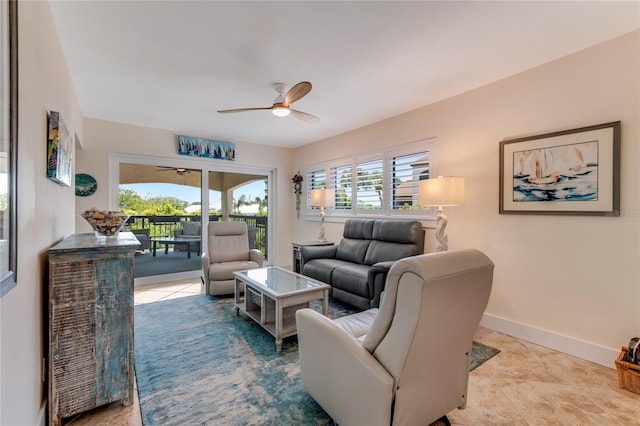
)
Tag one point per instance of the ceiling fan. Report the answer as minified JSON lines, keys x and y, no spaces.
{"x":181,"y":171}
{"x":281,"y":104}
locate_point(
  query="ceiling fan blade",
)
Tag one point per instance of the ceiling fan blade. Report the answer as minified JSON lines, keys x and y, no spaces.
{"x":297,"y":92}
{"x":303,"y":115}
{"x":224,"y":111}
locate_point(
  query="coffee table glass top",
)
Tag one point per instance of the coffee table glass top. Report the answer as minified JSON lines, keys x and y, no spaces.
{"x":278,"y":281}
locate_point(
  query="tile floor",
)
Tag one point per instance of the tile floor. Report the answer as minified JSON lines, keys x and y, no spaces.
{"x":525,"y":384}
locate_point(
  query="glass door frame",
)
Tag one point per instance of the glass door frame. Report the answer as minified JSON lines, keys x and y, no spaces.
{"x":206,"y":166}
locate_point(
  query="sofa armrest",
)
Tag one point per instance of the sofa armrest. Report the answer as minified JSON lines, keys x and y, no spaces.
{"x":317,"y":252}
{"x":256,"y":255}
{"x":342,"y":376}
{"x":376,"y":281}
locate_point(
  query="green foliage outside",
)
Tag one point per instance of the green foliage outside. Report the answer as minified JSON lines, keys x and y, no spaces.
{"x":134,"y":204}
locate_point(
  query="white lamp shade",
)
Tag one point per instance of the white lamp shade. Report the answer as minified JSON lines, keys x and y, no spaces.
{"x":442,"y":191}
{"x":322,"y":197}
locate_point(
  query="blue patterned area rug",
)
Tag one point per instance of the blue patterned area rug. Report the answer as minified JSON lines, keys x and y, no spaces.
{"x":197,"y":362}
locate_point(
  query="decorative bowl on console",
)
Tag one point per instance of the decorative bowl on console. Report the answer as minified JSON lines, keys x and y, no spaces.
{"x":105,"y":222}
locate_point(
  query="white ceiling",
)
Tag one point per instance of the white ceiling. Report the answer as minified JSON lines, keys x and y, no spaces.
{"x":173,"y":64}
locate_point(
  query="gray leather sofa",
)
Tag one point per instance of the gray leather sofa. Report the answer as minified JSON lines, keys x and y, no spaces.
{"x":357,"y":267}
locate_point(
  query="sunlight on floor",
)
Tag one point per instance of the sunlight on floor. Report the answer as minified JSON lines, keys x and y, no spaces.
{"x":170,"y":290}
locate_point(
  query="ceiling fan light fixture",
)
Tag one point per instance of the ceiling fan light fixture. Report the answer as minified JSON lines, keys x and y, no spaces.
{"x":281,"y":111}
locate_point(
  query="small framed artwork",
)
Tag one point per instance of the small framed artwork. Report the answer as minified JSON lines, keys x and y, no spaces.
{"x":571,"y":172}
{"x":198,"y":147}
{"x":59,"y":150}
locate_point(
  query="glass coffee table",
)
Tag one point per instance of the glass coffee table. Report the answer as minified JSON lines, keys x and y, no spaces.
{"x":272,"y":296}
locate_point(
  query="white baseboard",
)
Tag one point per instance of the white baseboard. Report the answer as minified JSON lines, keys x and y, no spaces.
{"x":565,"y":344}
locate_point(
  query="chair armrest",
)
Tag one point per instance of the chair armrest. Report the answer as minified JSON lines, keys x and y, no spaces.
{"x":256,"y":255}
{"x":205,"y":267}
{"x":178,"y":233}
{"x":376,"y":280}
{"x":342,"y":376}
{"x":317,"y":252}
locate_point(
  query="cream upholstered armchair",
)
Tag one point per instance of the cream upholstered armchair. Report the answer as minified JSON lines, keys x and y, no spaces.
{"x":408,"y":362}
{"x":228,"y":251}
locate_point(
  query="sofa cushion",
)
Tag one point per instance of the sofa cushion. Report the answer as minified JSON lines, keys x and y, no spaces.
{"x":360,"y":229}
{"x":381,"y":251}
{"x":352,"y":250}
{"x":398,"y":231}
{"x":358,"y":324}
{"x":322,"y":269}
{"x":224,"y":271}
{"x":394,"y":239}
{"x":358,"y":302}
{"x":352,"y":278}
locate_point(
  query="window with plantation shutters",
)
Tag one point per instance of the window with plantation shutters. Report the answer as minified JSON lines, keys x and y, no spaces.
{"x":383,"y":183}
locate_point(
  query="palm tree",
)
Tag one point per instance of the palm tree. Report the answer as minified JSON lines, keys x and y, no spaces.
{"x":242,"y":201}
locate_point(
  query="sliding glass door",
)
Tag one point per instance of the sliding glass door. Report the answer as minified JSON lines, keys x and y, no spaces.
{"x":165,"y":207}
{"x":170,"y":207}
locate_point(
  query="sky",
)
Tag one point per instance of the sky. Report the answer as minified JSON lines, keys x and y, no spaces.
{"x":192,"y":194}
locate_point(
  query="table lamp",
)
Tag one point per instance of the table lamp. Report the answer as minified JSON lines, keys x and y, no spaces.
{"x":322,"y":198}
{"x":442,"y":191}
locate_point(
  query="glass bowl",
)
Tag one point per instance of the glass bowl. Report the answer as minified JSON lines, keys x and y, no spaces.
{"x":105,"y":222}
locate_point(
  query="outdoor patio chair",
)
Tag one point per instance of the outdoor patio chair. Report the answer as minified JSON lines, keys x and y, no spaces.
{"x":143,"y":236}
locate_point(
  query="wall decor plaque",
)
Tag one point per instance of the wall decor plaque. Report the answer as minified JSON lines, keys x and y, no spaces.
{"x":85,"y":185}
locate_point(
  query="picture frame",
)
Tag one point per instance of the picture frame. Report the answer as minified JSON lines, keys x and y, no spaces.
{"x":569,"y":172}
{"x":59,"y":150}
{"x":207,"y":148}
{"x":9,"y":148}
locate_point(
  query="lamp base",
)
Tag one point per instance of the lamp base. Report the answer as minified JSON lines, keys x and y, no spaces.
{"x":441,"y":224}
{"x":321,"y":236}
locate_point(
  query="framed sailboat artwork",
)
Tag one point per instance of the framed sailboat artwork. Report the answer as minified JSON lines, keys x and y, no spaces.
{"x":570,"y":172}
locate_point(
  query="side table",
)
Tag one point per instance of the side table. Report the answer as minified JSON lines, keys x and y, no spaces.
{"x":297,"y":260}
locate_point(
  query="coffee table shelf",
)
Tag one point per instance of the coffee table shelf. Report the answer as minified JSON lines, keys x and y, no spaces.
{"x":272,"y":296}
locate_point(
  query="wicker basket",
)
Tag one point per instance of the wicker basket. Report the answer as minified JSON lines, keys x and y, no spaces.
{"x":628,"y":374}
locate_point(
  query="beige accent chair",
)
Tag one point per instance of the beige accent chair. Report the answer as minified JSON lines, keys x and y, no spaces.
{"x":227,"y":252}
{"x":408,"y":362}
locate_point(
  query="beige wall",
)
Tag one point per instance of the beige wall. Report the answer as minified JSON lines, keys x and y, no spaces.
{"x":45,"y":213}
{"x":575,"y":278}
{"x":572,"y":282}
{"x":105,"y":137}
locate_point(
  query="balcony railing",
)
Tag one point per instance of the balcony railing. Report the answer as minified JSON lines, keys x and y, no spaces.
{"x":165,"y":225}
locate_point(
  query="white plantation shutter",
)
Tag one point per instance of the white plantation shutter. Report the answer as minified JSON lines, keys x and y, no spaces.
{"x":340,"y":178}
{"x":406,"y":172}
{"x":369,"y":185}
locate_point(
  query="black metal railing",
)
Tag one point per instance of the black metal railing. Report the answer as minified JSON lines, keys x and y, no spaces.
{"x":166,"y":225}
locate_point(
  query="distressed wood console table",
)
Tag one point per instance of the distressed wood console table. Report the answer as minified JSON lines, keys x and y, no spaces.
{"x":90,"y":323}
